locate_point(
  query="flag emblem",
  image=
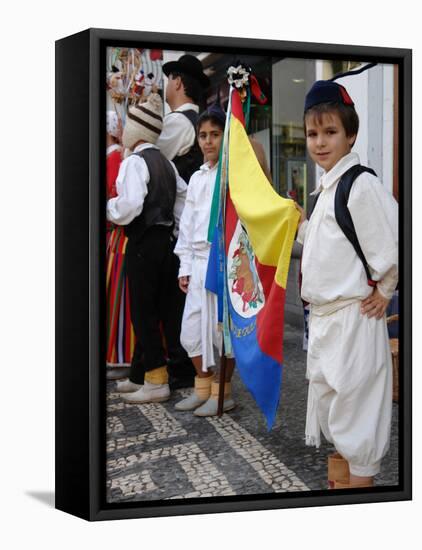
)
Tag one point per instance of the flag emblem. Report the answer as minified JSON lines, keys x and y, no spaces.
{"x":245,"y":288}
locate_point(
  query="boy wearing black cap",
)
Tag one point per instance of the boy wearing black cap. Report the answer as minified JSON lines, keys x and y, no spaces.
{"x":149,"y":202}
{"x":178,"y":143}
{"x":349,"y":360}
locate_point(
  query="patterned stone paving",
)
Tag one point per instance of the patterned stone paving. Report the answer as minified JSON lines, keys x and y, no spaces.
{"x":155,"y":452}
{"x":268,"y":467}
{"x":163,"y":424}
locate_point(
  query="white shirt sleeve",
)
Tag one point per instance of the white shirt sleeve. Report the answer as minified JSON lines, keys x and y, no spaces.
{"x":388,"y":284}
{"x":183,"y":247}
{"x":302,"y":232}
{"x":179,"y":204}
{"x":177,"y":135}
{"x":132,"y":188}
{"x":374,"y":213}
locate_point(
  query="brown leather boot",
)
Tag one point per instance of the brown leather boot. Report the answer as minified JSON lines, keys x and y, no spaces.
{"x":338,"y":470}
{"x":352,"y":485}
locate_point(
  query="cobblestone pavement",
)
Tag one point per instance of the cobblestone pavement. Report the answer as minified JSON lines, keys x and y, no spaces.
{"x":156,"y":452}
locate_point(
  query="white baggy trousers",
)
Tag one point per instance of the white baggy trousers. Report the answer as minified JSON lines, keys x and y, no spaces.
{"x":199,"y":334}
{"x":350,"y":385}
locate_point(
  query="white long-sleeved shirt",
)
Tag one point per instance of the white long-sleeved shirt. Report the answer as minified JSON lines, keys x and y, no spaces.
{"x":132,"y":188}
{"x":331,"y":269}
{"x":193,"y":233}
{"x":178,"y":133}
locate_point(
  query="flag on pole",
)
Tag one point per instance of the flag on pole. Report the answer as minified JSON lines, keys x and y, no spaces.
{"x":249,"y":263}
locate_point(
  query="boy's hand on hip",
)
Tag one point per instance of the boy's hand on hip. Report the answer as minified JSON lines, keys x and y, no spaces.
{"x":184,"y":283}
{"x":374,"y":305}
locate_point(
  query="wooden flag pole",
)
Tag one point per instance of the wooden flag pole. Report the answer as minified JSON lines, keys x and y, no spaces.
{"x":222,"y":381}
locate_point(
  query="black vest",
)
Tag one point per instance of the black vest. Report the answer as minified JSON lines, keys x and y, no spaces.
{"x":190,"y":162}
{"x":159,"y":201}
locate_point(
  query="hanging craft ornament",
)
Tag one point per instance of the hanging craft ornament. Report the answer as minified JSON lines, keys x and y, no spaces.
{"x":132,"y":77}
{"x":242,"y":78}
{"x":117,"y":89}
{"x":238,"y":76}
{"x":146,"y":75}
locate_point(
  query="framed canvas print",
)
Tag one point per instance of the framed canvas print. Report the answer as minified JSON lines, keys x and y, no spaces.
{"x":233,"y":276}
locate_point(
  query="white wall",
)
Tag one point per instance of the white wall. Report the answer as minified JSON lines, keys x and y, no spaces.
{"x":388,"y":126}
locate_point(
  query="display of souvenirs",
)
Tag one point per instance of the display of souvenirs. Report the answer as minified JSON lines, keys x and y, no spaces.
{"x":132,"y":73}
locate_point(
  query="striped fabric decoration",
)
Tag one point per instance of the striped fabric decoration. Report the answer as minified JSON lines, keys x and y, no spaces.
{"x":120,"y":334}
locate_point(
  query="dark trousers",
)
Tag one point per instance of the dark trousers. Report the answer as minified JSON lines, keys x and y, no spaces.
{"x":155,"y":301}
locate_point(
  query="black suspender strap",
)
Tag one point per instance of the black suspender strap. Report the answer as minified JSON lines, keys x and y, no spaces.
{"x":342,"y":213}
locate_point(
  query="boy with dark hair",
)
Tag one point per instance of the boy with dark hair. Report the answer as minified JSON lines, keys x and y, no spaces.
{"x":349,"y":360}
{"x":199,"y":335}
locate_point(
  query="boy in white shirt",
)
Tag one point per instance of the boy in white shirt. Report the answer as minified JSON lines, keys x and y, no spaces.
{"x":199,"y":335}
{"x":149,"y":203}
{"x":349,"y":360}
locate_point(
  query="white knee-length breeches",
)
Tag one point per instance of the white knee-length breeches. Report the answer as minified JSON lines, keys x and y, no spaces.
{"x":199,"y":335}
{"x":350,"y":384}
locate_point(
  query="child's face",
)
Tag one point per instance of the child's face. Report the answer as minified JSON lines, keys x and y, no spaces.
{"x":326,"y":139}
{"x":209,"y":138}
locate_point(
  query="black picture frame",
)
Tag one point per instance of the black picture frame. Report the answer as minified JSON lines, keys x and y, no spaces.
{"x":80,"y":380}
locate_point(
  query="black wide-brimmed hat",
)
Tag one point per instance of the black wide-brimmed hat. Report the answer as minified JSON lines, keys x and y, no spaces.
{"x":188,"y":64}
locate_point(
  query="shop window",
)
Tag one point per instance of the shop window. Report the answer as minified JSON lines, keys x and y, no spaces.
{"x":290,"y":80}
